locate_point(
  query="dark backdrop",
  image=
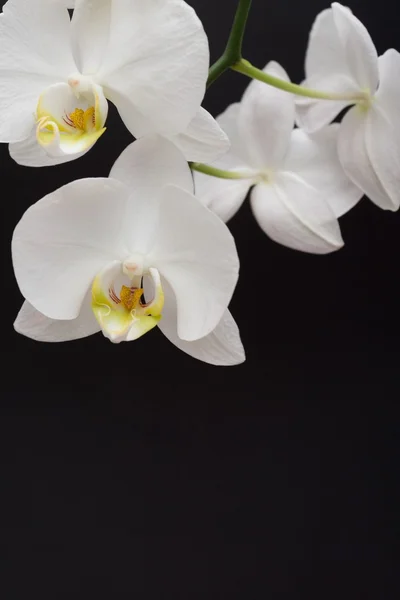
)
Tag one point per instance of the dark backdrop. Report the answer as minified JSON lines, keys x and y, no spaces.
{"x":134,"y":471}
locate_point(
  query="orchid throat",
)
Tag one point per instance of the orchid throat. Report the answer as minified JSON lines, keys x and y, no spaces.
{"x":119,"y":304}
{"x":70,"y":118}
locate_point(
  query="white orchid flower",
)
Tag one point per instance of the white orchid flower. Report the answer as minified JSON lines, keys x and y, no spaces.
{"x":148,"y":57}
{"x":124,"y":254}
{"x":299,"y":186}
{"x":342,"y":58}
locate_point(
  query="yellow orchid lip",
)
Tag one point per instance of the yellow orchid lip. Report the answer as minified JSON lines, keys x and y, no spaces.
{"x":67,"y":124}
{"x":49,"y":137}
{"x":127,"y":316}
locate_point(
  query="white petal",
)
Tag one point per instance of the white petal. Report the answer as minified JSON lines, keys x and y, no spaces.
{"x":222,"y":347}
{"x":388,"y":92}
{"x":34,"y":53}
{"x":223,"y":196}
{"x":237,"y":155}
{"x":266,"y":119}
{"x":157,"y":59}
{"x":295,"y":215}
{"x":354,"y":156}
{"x":340,"y":45}
{"x":151,"y":163}
{"x":197,"y":255}
{"x":383,"y":129}
{"x":32,"y":324}
{"x":146,"y":167}
{"x":90,"y":29}
{"x":134,"y":120}
{"x":315,"y":159}
{"x":326,"y":70}
{"x":65,"y":3}
{"x":359,"y":51}
{"x":30,"y":154}
{"x":203,"y":140}
{"x":313,"y":115}
{"x":325,"y":54}
{"x":64,"y":240}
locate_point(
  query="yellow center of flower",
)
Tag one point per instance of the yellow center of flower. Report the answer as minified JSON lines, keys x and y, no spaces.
{"x":61,"y":128}
{"x":130,"y":297}
{"x":129,"y":315}
{"x":84,"y":120}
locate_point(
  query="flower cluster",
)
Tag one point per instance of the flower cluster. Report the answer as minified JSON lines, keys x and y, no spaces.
{"x":148,"y":246}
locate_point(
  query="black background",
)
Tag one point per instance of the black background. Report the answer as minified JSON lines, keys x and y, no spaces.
{"x":134,"y":471}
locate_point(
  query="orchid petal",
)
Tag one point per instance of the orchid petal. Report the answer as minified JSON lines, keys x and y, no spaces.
{"x":134,"y":120}
{"x":203,"y":140}
{"x":359,"y":51}
{"x":58,"y":146}
{"x":221,"y":347}
{"x":223,"y":196}
{"x":149,"y":164}
{"x":354,"y":157}
{"x":383,"y":129}
{"x":235,"y":159}
{"x":325,"y":56}
{"x":340,"y":48}
{"x":90,"y":29}
{"x":266,"y":119}
{"x":31,"y":154}
{"x":146,"y":167}
{"x":294,"y":214}
{"x":157,"y":60}
{"x":196,"y":254}
{"x":326,"y":70}
{"x":32,"y":324}
{"x":30,"y":61}
{"x":313,"y":115}
{"x":315,"y":159}
{"x":342,"y":59}
{"x":237,"y":154}
{"x":64,"y":240}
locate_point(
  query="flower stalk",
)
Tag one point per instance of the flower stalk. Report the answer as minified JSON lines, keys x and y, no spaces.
{"x":233,"y":51}
{"x":220,"y":173}
{"x":232,"y":59}
{"x":246,"y":68}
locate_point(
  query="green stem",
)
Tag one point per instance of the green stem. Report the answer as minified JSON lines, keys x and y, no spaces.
{"x":246,"y":68}
{"x":214,"y":172}
{"x":233,"y":50}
